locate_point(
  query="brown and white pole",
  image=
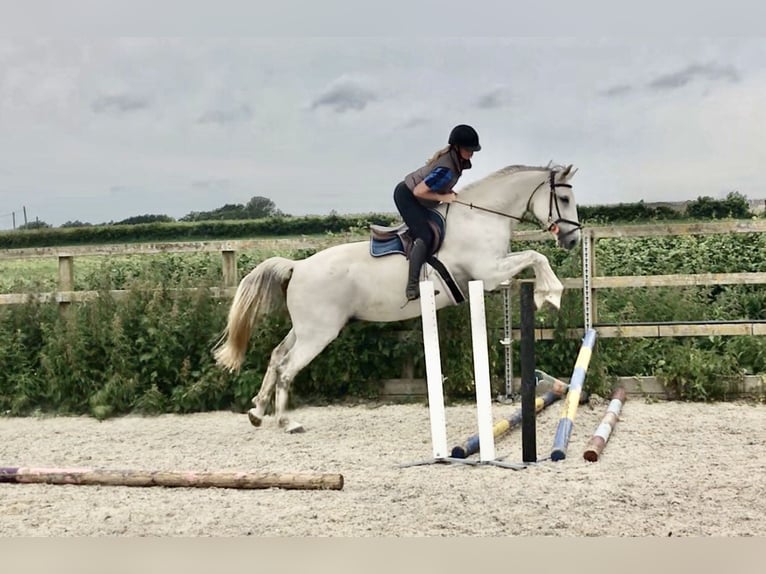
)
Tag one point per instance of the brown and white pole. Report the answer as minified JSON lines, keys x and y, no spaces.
{"x":598,"y":441}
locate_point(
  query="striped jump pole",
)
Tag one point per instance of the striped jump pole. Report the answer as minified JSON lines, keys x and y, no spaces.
{"x":241,"y":480}
{"x":566,"y":422}
{"x":598,"y":441}
{"x":471,"y":446}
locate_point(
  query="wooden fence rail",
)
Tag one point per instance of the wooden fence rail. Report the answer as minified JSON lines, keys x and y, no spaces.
{"x":230,"y":274}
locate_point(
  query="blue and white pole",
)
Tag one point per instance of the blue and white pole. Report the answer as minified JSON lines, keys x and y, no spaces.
{"x":566,"y":422}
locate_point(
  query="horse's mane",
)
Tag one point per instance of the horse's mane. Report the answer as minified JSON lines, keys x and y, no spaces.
{"x":512,"y":169}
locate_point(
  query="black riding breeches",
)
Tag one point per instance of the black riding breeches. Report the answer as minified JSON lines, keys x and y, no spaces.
{"x":413,"y":214}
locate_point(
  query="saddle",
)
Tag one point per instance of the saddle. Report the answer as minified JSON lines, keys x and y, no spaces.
{"x":385,"y":240}
{"x":396,"y":239}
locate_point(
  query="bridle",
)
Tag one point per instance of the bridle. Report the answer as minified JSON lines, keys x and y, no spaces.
{"x":551,"y":224}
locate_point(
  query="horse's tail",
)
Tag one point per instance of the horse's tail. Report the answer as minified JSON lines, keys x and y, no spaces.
{"x":260,"y":292}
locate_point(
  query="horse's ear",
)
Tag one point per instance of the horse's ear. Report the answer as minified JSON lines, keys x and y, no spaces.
{"x":565,"y":173}
{"x":574,"y":171}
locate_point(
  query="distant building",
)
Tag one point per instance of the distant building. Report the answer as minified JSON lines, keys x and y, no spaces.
{"x":757,"y":205}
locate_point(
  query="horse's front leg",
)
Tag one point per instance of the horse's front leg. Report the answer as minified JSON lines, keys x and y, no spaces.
{"x":548,"y":288}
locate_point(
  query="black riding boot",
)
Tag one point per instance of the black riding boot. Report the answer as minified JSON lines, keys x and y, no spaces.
{"x":418,"y":255}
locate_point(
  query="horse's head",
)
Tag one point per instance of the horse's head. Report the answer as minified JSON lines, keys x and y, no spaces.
{"x":553,"y":204}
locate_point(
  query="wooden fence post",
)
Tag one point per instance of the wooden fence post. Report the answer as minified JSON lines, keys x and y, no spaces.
{"x":229,"y":267}
{"x":66,"y":280}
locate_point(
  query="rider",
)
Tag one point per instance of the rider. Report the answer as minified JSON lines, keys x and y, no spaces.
{"x":428,"y":186}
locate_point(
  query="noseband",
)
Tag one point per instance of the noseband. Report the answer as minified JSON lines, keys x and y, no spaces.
{"x":553,"y":200}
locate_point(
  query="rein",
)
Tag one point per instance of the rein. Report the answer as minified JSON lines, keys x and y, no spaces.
{"x":472,"y":206}
{"x":553,"y":199}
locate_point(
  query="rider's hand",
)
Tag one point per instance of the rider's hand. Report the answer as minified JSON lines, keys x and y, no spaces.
{"x":449,"y":197}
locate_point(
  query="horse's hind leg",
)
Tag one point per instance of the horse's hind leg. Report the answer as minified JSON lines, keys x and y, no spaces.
{"x":305,"y":349}
{"x":263,"y":398}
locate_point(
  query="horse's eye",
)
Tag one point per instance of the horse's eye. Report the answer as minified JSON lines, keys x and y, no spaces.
{"x":564,"y":199}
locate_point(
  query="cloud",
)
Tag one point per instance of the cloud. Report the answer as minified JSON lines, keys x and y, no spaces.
{"x":163,"y":161}
{"x":414,"y":122}
{"x":494,"y":99}
{"x":239,"y":114}
{"x":679,"y":79}
{"x":617,"y":91}
{"x":683,"y":77}
{"x":344,"y":94}
{"x":118,"y":104}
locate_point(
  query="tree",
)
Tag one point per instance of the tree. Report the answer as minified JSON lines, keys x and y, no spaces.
{"x":735,"y":205}
{"x":259,"y":207}
{"x":36,"y":224}
{"x":145,"y":219}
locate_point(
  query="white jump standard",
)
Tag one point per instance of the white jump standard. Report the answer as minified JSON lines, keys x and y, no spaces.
{"x":435,"y":379}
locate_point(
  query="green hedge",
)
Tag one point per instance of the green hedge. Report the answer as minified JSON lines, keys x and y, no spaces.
{"x":151,"y":353}
{"x":196,"y":231}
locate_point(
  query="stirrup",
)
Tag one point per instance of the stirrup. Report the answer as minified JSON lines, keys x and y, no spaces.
{"x":412,"y":295}
{"x":417,"y":294}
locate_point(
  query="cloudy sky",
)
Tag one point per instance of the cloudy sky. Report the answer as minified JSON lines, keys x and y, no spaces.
{"x":101,"y":129}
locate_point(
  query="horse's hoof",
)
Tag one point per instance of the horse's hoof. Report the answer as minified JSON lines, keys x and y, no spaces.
{"x":255,"y":420}
{"x":294,"y":428}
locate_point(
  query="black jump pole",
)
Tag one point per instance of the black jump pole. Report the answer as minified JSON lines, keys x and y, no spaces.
{"x":528,"y":380}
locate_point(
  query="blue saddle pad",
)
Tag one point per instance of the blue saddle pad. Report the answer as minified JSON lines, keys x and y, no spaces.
{"x":394,"y":244}
{"x":387,"y":247}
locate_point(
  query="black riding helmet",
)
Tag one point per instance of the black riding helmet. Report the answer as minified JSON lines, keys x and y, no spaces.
{"x":464,"y":136}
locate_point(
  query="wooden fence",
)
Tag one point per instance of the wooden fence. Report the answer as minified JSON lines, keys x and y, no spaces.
{"x":407,"y":386}
{"x":666,"y":329}
{"x":66,"y":256}
{"x":228,"y":249}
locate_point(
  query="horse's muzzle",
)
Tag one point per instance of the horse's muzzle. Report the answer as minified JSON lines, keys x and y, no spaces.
{"x":569,"y":239}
